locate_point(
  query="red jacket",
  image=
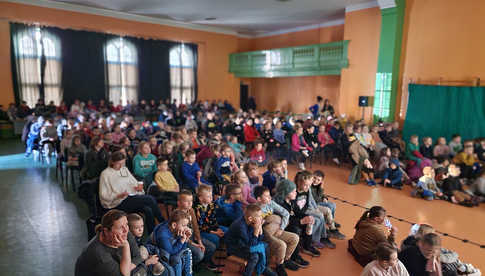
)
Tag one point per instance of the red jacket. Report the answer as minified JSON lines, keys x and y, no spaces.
{"x":250,"y":133}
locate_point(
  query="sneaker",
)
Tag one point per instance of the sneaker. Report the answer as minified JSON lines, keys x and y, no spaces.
{"x":300,"y":261}
{"x":318,"y":245}
{"x":336,"y":234}
{"x":310,"y":250}
{"x":336,"y":161}
{"x":280,"y":270}
{"x":269,"y":272}
{"x":291,"y":265}
{"x":337,"y":225}
{"x":301,"y":166}
{"x":212,"y":266}
{"x":328,"y":243}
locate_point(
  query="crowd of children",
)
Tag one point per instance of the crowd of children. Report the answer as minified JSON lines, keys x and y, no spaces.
{"x":202,"y":162}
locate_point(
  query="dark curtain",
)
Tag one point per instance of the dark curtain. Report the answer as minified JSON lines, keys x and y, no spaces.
{"x":84,"y":74}
{"x":15,"y":31}
{"x":153,"y":68}
{"x":83,"y":64}
{"x":194,"y":48}
{"x":437,"y":111}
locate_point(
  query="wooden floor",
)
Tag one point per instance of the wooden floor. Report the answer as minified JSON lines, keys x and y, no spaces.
{"x":463,"y":222}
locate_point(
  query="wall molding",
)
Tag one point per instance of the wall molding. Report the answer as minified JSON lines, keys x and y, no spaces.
{"x":362,"y":6}
{"x":330,"y":23}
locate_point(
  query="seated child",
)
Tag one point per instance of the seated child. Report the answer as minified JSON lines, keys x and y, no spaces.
{"x":393,"y":176}
{"x":229,"y":206}
{"x":144,"y":164}
{"x":450,"y":264}
{"x":426,"y":148}
{"x":167,"y":186}
{"x":252,"y":171}
{"x":383,"y":162}
{"x":171,"y":238}
{"x":386,"y":260}
{"x":258,"y":154}
{"x":361,"y":163}
{"x":300,"y":147}
{"x":241,"y":179}
{"x":195,"y":244}
{"x":327,"y":144}
{"x":282,"y":244}
{"x":305,"y":201}
{"x":324,"y":205}
{"x":191,"y":174}
{"x":284,"y":167}
{"x":244,"y":239}
{"x":273,"y":175}
{"x":467,"y":162}
{"x":455,"y":145}
{"x":453,"y":188}
{"x":205,"y":213}
{"x":416,"y":160}
{"x":148,"y":252}
{"x":238,"y":149}
{"x":222,"y":168}
{"x":481,"y":150}
{"x":441,"y":149}
{"x":426,"y":187}
{"x":299,"y":222}
{"x":424,"y":258}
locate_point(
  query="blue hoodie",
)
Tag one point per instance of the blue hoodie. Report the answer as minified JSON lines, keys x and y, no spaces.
{"x":394,"y":175}
{"x":226,"y":213}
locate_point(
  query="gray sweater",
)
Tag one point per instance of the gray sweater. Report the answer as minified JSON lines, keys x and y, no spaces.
{"x":274,"y":208}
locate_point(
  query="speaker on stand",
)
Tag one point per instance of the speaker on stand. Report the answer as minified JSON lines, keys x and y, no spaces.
{"x":363,"y":103}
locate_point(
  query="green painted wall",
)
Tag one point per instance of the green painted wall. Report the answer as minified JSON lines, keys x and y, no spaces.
{"x":388,"y":64}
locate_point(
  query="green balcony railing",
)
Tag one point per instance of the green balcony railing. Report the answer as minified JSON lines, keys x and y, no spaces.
{"x":309,"y":60}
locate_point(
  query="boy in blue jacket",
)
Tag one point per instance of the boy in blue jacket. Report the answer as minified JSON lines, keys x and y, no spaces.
{"x":244,"y":239}
{"x":393,"y":176}
{"x":171,"y":239}
{"x":191,"y":173}
{"x":223,"y":165}
{"x":229,"y":206}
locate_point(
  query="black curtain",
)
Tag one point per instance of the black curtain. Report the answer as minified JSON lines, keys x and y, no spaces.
{"x":194,"y":48}
{"x":83,"y":64}
{"x":84,"y":75}
{"x":153,"y":68}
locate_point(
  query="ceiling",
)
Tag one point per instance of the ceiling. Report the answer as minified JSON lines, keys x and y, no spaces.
{"x":245,"y":17}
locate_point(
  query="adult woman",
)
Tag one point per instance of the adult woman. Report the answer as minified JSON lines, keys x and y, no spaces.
{"x":119,"y":189}
{"x":113,"y":251}
{"x":370,"y":230}
{"x":96,"y":159}
{"x":387,"y":262}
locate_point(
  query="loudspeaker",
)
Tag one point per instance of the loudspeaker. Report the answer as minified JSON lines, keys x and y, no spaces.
{"x":363,"y":101}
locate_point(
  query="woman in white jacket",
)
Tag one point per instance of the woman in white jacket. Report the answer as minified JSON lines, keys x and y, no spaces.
{"x":118,"y":189}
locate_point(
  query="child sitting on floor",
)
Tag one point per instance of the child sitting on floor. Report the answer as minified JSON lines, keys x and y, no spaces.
{"x":426,"y":148}
{"x":282,"y":244}
{"x":426,"y":187}
{"x":453,"y":188}
{"x":244,"y":239}
{"x":361,"y":163}
{"x":441,"y":149}
{"x":468,"y":163}
{"x":393,"y":176}
{"x":148,"y":252}
{"x":324,"y":205}
{"x":455,"y":144}
{"x":229,"y":206}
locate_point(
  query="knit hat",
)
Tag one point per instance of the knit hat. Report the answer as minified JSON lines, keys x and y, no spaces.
{"x":284,"y":187}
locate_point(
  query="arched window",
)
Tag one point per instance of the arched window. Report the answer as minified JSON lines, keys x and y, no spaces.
{"x":33,"y":46}
{"x":182,"y":74}
{"x":122,"y":71}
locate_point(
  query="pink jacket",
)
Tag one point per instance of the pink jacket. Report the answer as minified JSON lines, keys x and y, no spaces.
{"x":295,"y":143}
{"x":246,"y":195}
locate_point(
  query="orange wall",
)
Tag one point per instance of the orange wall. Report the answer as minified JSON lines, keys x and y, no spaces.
{"x":363,"y":29}
{"x":444,"y":40}
{"x":280,"y":93}
{"x":214,"y":49}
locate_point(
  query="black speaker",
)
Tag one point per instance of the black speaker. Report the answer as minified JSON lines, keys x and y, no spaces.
{"x":364,"y":101}
{"x":243,"y":96}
